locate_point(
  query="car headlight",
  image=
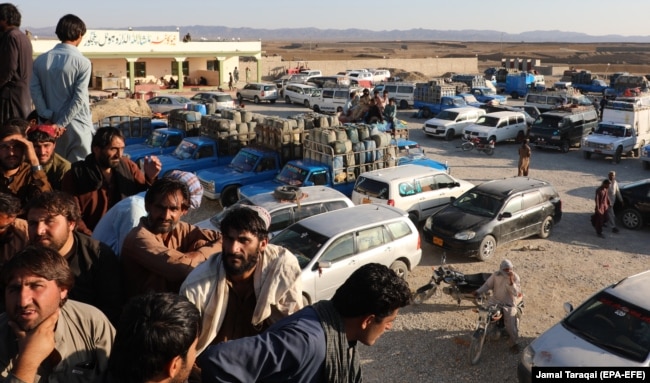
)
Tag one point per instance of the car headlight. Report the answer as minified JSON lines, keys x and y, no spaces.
{"x":465,"y":235}
{"x":609,"y":147}
{"x":527,"y":358}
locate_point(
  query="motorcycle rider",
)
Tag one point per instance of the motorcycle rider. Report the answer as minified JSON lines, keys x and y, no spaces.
{"x":506,"y":291}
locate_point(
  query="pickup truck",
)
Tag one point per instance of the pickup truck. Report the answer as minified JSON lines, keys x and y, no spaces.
{"x":624,"y":129}
{"x":250,"y":165}
{"x":595,"y":86}
{"x":485,"y":95}
{"x":195,"y":153}
{"x":431,"y":98}
{"x":161,"y":141}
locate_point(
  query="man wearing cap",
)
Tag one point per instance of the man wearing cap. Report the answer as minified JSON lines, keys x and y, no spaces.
{"x":249,"y":286}
{"x":162,"y":250}
{"x":22,"y":174}
{"x":118,"y":221}
{"x":506,"y":291}
{"x":43,"y":137}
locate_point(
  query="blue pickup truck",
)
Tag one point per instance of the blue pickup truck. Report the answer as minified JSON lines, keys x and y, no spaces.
{"x":486,"y":94}
{"x":250,"y":165}
{"x":160,"y":141}
{"x":195,"y":153}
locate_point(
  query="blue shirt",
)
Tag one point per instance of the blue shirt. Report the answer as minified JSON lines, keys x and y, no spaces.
{"x":292,"y":350}
{"x":118,"y":221}
{"x":59,"y":89}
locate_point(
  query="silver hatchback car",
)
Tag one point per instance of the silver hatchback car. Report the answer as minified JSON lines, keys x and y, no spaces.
{"x":330,"y":246}
{"x":611,"y":329}
{"x":258,"y":92}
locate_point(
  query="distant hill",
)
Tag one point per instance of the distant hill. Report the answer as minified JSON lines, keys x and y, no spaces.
{"x":315,"y":34}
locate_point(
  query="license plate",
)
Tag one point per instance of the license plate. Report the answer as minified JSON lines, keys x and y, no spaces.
{"x":437,"y":241}
{"x":430,"y":130}
{"x":366,"y":200}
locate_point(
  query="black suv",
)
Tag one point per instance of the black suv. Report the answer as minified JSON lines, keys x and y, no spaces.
{"x":634,"y":212}
{"x":563,"y":128}
{"x":495,"y":212}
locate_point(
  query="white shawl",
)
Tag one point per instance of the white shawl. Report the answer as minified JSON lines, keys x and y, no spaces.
{"x":276,"y":282}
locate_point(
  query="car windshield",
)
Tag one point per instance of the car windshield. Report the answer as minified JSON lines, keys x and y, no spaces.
{"x":447,"y":115}
{"x":301,"y":241}
{"x":470,"y":98}
{"x":185,"y":150}
{"x":244,"y":161}
{"x":459,"y":102}
{"x":156,"y":139}
{"x":548,"y":122}
{"x":610,"y":130}
{"x":614,"y":325}
{"x":475,"y":202}
{"x":216,"y":219}
{"x":292,"y":175}
{"x":487,"y":121}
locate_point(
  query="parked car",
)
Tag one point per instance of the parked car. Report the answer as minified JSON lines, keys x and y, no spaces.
{"x":298,"y":94}
{"x":380,"y":75}
{"x":362,"y":76}
{"x":258,"y":92}
{"x":402,"y":92}
{"x":634,"y":212}
{"x":610,"y":329}
{"x":498,"y":127}
{"x":451,"y":122}
{"x":286,"y":211}
{"x":223,"y":100}
{"x":330,"y":246}
{"x":418,"y":190}
{"x":494,"y":213}
{"x":165,"y":102}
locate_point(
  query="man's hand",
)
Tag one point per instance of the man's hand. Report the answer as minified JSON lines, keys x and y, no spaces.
{"x":34,"y":346}
{"x":152,"y":166}
{"x":30,"y":153}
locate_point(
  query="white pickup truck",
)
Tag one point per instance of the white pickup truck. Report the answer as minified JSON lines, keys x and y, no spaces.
{"x":625,"y":129}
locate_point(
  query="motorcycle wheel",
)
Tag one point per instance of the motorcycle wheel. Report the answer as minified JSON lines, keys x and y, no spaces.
{"x":489,"y":151}
{"x":467,"y":145}
{"x":476,"y":347}
{"x":421,"y":296}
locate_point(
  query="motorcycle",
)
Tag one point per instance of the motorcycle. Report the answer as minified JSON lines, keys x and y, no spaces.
{"x":461,"y":286}
{"x":490,"y":325}
{"x":470,"y":143}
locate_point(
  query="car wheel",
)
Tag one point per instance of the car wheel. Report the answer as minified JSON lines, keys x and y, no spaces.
{"x":229,"y":195}
{"x":400,"y":269}
{"x":316,"y":109}
{"x":287,"y":100}
{"x":618,"y":155}
{"x":403,"y":104}
{"x":450,"y":134}
{"x":272,"y":101}
{"x":256,"y":100}
{"x":414,"y":218}
{"x":547,"y":226}
{"x":306,"y":104}
{"x":586,"y":155}
{"x":514,"y":95}
{"x":239,"y":98}
{"x":564,"y":146}
{"x":487,"y":248}
{"x":631,"y":219}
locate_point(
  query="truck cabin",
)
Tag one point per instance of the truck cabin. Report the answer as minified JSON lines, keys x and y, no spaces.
{"x":614,"y":130}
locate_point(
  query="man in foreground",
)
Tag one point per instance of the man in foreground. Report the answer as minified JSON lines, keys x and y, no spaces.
{"x":156,"y":340}
{"x":44,"y":337}
{"x":247,"y":287}
{"x":318,"y":343}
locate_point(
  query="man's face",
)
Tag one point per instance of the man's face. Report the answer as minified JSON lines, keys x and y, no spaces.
{"x":52,"y":231}
{"x":165,"y":212}
{"x":188,"y":362}
{"x":241,"y":251}
{"x":109,"y":156}
{"x":612,"y":176}
{"x":374,"y":329}
{"x":44,"y":151}
{"x":30,"y":299}
{"x":6,"y":220}
{"x":12,"y":154}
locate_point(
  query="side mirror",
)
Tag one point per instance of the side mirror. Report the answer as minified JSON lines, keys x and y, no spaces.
{"x":506,"y":214}
{"x":568,"y":307}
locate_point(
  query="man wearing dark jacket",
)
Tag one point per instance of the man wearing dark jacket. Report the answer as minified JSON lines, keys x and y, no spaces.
{"x":105,"y":177}
{"x":51,"y":221}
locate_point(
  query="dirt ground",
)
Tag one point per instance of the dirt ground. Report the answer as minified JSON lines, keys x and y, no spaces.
{"x":430,"y":342}
{"x":604,"y":58}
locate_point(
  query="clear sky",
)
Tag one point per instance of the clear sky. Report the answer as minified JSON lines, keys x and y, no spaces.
{"x":593,"y":17}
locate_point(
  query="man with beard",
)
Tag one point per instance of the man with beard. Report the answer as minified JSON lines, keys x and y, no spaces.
{"x":44,"y":336}
{"x":105,"y":177}
{"x":51,"y":221}
{"x":162,"y":250}
{"x":43,"y":137}
{"x":156,"y":340}
{"x":23,"y":175}
{"x":249,"y":286}
{"x":13,"y":230}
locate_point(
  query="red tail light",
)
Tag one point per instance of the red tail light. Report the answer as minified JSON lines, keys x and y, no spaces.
{"x":391,"y":202}
{"x":262,"y":93}
{"x":419,"y":242}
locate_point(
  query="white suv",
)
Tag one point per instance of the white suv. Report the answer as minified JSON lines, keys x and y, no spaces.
{"x":418,"y":190}
{"x":298,"y":94}
{"x":498,"y":127}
